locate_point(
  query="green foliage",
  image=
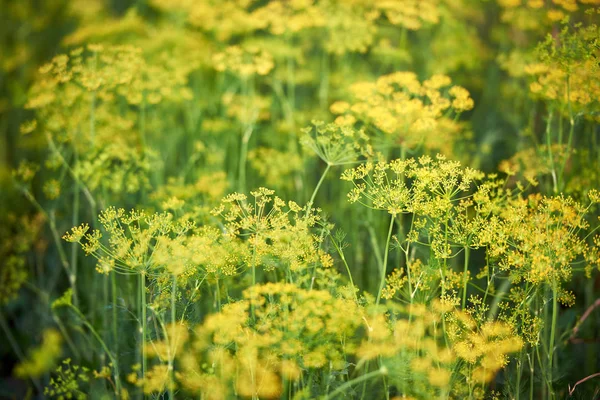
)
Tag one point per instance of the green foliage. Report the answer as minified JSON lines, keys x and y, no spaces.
{"x":190,"y":150}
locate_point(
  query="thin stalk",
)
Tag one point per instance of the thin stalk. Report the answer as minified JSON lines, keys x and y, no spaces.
{"x":365,"y":377}
{"x":113,"y":281}
{"x":218,"y":295}
{"x":569,"y":139}
{"x":17,"y":350}
{"x":465,"y":275}
{"x":551,"y":344}
{"x":103,"y":345}
{"x":497,"y":298}
{"x":341,"y":253}
{"x":385,"y":259}
{"x":142,"y":294}
{"x":244,"y":157}
{"x":314,"y":193}
{"x":519,"y":373}
{"x":172,"y":345}
{"x":531,"y":374}
{"x":74,"y":246}
{"x":374,"y":245}
{"x":549,"y":149}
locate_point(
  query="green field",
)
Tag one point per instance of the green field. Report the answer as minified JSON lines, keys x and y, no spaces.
{"x":300,"y":199}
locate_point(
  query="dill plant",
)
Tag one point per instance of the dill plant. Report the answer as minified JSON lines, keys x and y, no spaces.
{"x":210,"y":252}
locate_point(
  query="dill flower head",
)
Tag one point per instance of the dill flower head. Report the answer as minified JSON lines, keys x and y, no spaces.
{"x":567,"y":72}
{"x":423,"y":186}
{"x":278,"y":331}
{"x":275,"y":166}
{"x":537,"y":239}
{"x":539,"y":15}
{"x":69,"y":381}
{"x":244,"y":61}
{"x":406,"y":112}
{"x":278,"y":233}
{"x":336,"y":144}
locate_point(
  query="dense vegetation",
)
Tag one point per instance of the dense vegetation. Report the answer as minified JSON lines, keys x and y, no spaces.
{"x":334,"y":199}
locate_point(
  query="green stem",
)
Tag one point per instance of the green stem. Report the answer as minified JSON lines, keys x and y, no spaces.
{"x":218,"y":294}
{"x":549,"y":149}
{"x":551,"y":344}
{"x":103,"y":345}
{"x":171,"y":344}
{"x":365,"y":377}
{"x":498,"y":298}
{"x":465,"y":276}
{"x":113,"y":280}
{"x":74,"y":246}
{"x":142,"y":289}
{"x":385,"y":259}
{"x":17,"y":350}
{"x":531,"y":374}
{"x":314,"y":193}
{"x":568,"y":153}
{"x":243,"y":158}
{"x":341,"y":253}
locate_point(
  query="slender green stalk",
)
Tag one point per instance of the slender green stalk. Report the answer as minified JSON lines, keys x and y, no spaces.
{"x":142,"y":294}
{"x":531,"y":374}
{"x":218,"y":293}
{"x":549,"y":149}
{"x":465,"y":276}
{"x":385,"y":259}
{"x":57,"y":241}
{"x":314,"y":193}
{"x":343,"y":257}
{"x":104,"y":347}
{"x":74,"y":246}
{"x":551,"y":343}
{"x":244,"y":158}
{"x":16,"y":349}
{"x":172,"y":345}
{"x":340,"y":389}
{"x":113,"y":280}
{"x":569,"y":141}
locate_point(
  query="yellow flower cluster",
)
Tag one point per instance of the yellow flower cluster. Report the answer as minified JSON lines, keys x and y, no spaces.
{"x":346,"y":25}
{"x":68,"y":382}
{"x":567,"y":72}
{"x":18,"y":235}
{"x":336,"y":144}
{"x":245,"y":62}
{"x":276,"y":167}
{"x":277,"y":233}
{"x":537,"y":239}
{"x":423,"y":346}
{"x":533,"y":15}
{"x":41,"y":359}
{"x":276,"y":333}
{"x":423,"y":186}
{"x":408,"y":113}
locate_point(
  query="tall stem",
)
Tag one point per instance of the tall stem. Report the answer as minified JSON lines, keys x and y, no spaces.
{"x":172,"y":339}
{"x":103,"y":345}
{"x":465,"y":276}
{"x":385,"y":259}
{"x":549,"y":149}
{"x":551,"y":343}
{"x":314,"y":193}
{"x":243,"y":158}
{"x":142,"y":288}
{"x":113,"y":280}
{"x":15,"y":346}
